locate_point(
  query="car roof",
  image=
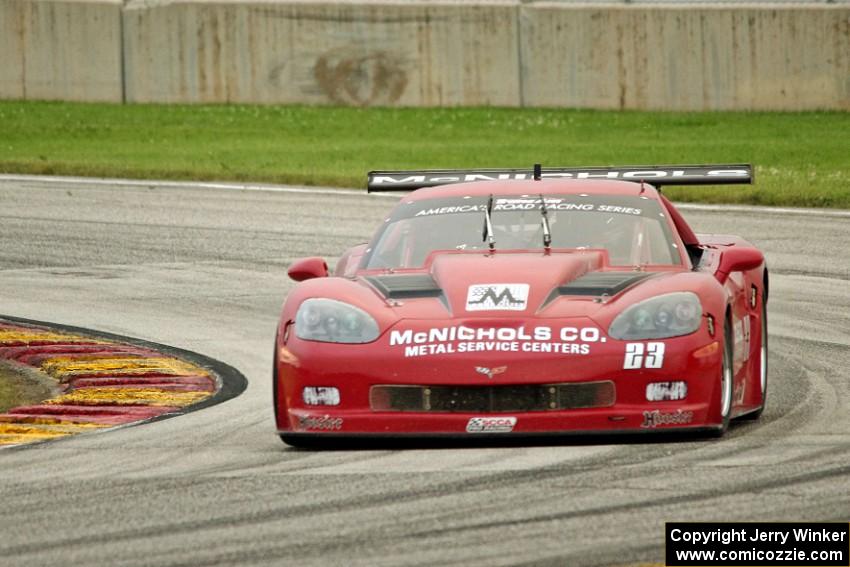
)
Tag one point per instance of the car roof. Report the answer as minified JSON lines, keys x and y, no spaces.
{"x":531,"y":187}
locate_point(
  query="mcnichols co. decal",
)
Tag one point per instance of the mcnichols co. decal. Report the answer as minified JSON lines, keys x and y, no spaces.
{"x":461,"y":339}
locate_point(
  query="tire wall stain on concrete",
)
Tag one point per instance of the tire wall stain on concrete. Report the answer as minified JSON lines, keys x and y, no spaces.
{"x":359,"y":77}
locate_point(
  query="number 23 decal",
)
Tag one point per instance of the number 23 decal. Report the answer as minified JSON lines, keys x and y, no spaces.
{"x":640,"y":355}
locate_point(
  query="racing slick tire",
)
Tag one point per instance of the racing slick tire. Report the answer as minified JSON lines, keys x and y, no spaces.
{"x":726,"y":379}
{"x":763,"y":368}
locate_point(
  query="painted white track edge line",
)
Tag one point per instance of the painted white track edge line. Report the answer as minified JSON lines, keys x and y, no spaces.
{"x":396,"y":195}
{"x":767,"y":210}
{"x":187,"y":185}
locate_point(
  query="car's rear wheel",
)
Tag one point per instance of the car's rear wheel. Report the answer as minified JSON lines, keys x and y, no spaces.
{"x":762,"y":365}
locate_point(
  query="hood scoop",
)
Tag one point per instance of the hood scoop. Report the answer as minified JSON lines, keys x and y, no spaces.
{"x":407,"y":286}
{"x":602,"y":283}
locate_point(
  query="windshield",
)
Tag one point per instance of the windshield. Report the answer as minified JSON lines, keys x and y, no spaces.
{"x":634,"y":230}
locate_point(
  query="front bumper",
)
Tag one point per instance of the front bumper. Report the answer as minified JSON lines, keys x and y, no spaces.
{"x":355,"y":369}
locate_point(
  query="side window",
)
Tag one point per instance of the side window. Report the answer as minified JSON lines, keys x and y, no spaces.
{"x":389,"y":249}
{"x":658,"y":245}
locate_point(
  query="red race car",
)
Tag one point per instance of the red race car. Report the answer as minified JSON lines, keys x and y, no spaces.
{"x":527,"y":302}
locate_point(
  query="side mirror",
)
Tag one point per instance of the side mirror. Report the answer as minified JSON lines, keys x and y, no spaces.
{"x":738,"y":260}
{"x":308,"y":268}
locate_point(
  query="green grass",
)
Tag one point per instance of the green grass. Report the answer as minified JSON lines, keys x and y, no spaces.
{"x":8,"y":392}
{"x":16,"y":389}
{"x":801,"y":159}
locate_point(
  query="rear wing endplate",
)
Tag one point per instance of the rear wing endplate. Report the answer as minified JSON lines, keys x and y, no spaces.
{"x":657,"y":175}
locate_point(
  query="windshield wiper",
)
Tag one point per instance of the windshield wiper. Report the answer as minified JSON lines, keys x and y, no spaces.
{"x":488,"y":225}
{"x":547,"y":235}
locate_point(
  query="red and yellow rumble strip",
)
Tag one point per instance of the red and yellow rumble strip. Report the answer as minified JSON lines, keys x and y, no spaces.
{"x":102,"y":383}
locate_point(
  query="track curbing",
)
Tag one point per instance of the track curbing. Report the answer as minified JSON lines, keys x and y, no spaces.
{"x":142,"y":382}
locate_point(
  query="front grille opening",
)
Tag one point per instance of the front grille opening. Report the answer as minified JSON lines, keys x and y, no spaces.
{"x":492,"y":399}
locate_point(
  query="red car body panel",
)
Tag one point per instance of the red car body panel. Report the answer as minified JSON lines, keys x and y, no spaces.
{"x":396,"y":359}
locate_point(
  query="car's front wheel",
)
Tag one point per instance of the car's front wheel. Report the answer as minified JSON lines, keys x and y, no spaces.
{"x":762,"y":365}
{"x":726,"y":378}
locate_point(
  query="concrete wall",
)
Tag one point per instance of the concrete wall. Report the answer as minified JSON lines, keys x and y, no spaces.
{"x":411,"y":53}
{"x":11,"y":50}
{"x":687,"y":58}
{"x":419,"y":53}
{"x":69,"y":50}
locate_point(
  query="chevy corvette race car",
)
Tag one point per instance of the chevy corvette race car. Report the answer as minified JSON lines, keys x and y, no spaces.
{"x":527,"y":302}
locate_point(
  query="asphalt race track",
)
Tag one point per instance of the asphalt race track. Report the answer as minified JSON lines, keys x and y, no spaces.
{"x":205,"y":270}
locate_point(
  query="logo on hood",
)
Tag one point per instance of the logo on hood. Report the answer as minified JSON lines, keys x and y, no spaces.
{"x":497,"y":297}
{"x":490,"y":372}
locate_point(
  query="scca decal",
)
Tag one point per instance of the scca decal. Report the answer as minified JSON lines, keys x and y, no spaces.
{"x":462,"y":339}
{"x":490,"y":425}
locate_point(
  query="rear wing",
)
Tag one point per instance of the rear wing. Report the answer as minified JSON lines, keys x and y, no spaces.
{"x":657,"y":175}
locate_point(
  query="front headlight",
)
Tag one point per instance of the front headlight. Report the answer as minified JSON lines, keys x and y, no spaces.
{"x":662,"y":317}
{"x":330,"y":321}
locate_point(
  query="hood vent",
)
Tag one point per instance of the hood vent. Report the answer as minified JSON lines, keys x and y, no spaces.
{"x":602,"y":283}
{"x":406,"y":286}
